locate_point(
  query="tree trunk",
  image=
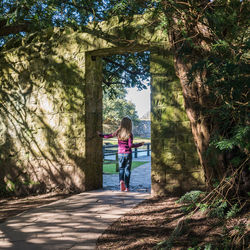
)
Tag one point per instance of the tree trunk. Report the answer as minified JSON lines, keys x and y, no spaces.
{"x":197,"y":97}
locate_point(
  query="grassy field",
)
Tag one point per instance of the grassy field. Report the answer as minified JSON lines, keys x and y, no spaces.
{"x":110,"y":168}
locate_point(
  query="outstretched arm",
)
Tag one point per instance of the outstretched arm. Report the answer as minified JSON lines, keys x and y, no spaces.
{"x":106,"y":136}
{"x":134,"y":145}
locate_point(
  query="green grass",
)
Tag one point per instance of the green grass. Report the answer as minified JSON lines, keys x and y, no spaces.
{"x":110,"y":168}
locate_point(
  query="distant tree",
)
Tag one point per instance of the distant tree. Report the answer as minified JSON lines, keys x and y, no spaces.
{"x":117,"y":107}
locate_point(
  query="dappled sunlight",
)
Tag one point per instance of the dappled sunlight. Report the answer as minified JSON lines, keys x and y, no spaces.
{"x":40,"y":152}
{"x":175,"y":162}
{"x":77,"y":220}
{"x":139,"y":229}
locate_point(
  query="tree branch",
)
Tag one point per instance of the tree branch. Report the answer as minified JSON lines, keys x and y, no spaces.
{"x":14,"y":29}
{"x":3,"y":22}
{"x":122,"y":67}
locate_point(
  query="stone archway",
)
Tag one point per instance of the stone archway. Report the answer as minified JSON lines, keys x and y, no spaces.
{"x":50,"y":129}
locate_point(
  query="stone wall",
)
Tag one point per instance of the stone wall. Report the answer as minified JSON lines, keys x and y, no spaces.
{"x":175,"y":163}
{"x":51,"y":108}
{"x":43,"y":145}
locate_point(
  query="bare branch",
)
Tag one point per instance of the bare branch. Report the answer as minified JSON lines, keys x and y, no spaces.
{"x":14,"y":29}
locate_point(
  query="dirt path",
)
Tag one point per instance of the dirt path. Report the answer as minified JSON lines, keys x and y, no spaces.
{"x":158,"y":224}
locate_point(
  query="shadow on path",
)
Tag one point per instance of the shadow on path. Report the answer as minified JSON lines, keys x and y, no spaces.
{"x":72,"y":223}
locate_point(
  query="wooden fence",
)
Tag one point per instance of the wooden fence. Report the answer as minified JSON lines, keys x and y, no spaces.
{"x":111,"y":150}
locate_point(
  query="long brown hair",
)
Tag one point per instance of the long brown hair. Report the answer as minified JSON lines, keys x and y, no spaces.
{"x":125,"y":129}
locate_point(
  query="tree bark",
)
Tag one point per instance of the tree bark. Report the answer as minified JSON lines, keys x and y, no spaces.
{"x":196,"y":95}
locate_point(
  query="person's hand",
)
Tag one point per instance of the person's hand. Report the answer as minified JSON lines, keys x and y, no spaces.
{"x":142,"y":143}
{"x":98,"y":132}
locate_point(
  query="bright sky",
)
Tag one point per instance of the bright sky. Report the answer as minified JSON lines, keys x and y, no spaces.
{"x":141,"y":99}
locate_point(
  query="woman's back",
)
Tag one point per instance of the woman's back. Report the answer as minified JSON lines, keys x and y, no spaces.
{"x":124,"y":146}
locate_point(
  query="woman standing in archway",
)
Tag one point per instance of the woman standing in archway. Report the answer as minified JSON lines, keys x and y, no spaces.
{"x":125,"y":145}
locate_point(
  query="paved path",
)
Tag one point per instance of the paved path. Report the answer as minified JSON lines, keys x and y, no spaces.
{"x":76,"y":222}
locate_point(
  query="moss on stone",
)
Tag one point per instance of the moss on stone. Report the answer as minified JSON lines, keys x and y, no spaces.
{"x":176,"y":154}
